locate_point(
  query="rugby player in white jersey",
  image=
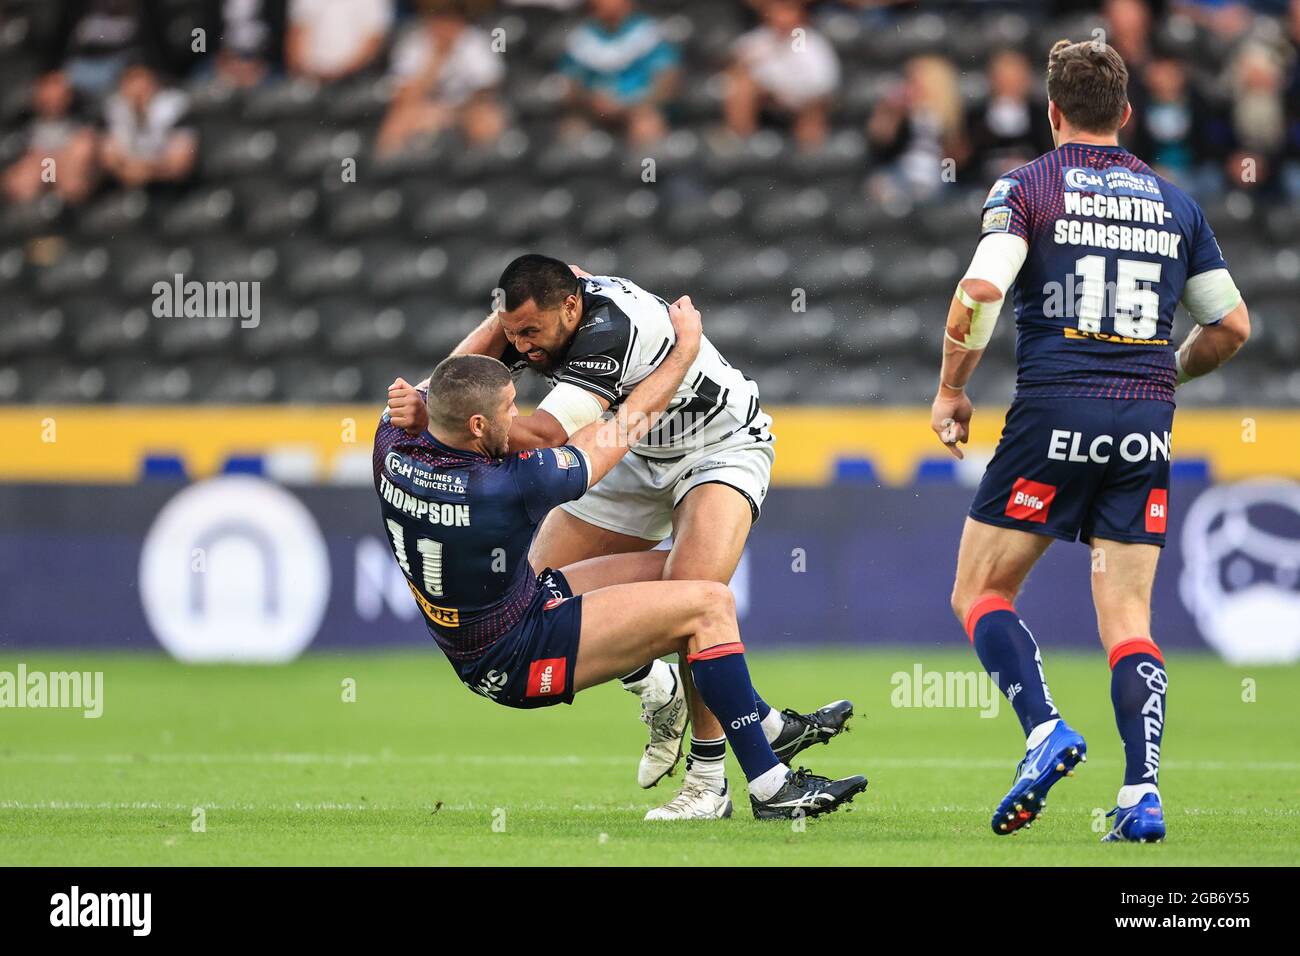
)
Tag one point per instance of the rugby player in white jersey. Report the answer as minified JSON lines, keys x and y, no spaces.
{"x":699,"y":476}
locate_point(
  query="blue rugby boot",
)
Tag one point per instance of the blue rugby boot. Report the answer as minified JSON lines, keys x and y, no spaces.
{"x":1144,"y":822}
{"x":1042,"y":767}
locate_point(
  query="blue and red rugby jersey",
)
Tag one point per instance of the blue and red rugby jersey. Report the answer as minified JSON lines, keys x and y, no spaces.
{"x":1111,"y":245}
{"x":460,"y":525}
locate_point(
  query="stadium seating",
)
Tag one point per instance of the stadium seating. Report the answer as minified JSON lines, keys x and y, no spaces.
{"x":364,"y":280}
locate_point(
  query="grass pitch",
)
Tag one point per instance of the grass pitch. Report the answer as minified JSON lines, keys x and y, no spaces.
{"x":420,"y":771}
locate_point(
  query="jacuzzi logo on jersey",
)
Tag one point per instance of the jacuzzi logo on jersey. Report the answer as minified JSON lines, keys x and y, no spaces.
{"x":595,"y":365}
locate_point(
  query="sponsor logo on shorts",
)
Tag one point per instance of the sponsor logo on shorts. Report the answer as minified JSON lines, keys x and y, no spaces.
{"x":1066,"y":445}
{"x":1030,"y":500}
{"x":490,"y":684}
{"x":546,"y":678}
{"x":1157,"y":511}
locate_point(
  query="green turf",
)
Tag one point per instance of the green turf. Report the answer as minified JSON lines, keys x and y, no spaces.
{"x":419,"y":771}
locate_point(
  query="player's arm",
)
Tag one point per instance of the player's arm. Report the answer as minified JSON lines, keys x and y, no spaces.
{"x":1222,"y":324}
{"x":487,"y":339}
{"x":972,"y":316}
{"x":406,"y":408}
{"x":605,"y":442}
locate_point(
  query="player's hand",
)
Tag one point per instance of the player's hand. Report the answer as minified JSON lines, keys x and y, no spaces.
{"x":579,"y":271}
{"x":406,"y":408}
{"x":687,"y":326}
{"x":950,"y":418}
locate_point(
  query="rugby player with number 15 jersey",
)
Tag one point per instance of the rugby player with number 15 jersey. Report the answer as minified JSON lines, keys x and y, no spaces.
{"x":1097,"y":252}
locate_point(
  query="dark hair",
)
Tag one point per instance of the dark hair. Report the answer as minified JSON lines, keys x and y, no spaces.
{"x":1088,"y":82}
{"x":463,"y":386}
{"x":544,"y":280}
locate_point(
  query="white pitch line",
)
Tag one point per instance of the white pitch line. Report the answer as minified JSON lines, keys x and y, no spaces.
{"x":580,"y":760}
{"x":428,"y":809}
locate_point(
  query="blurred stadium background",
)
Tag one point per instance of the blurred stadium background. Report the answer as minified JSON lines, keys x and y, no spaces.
{"x":366,"y":167}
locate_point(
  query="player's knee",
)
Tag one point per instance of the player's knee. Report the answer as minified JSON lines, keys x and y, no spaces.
{"x":716,"y":606}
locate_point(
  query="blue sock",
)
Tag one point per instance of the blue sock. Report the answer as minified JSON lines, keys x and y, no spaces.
{"x":722,"y":679}
{"x":1010,"y":655}
{"x":1138,"y":684}
{"x":762,"y":705}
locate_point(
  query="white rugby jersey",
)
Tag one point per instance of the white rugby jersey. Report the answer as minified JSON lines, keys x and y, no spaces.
{"x":624,"y":334}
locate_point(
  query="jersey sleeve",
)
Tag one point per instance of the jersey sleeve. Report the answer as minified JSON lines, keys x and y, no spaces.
{"x":1006,"y":210}
{"x":512,"y":360}
{"x":1204,"y":254}
{"x":547,"y":477}
{"x":597,"y":359}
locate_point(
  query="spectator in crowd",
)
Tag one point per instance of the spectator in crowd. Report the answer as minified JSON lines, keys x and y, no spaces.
{"x":785,"y":67}
{"x":1011,"y":128}
{"x":622,"y":72}
{"x":916,"y":133}
{"x":1228,"y":18}
{"x":60,"y":154}
{"x":1169,"y":125}
{"x":145,"y":142}
{"x":251,"y":40}
{"x":1291,"y":167}
{"x":1128,"y":29}
{"x":448,"y":75}
{"x":103,"y":37}
{"x":1258,"y":117}
{"x":330,"y":40}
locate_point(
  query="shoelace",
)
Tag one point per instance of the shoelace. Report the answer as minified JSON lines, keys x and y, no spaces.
{"x":1020,"y":768}
{"x":690,"y":791}
{"x":803,"y":777}
{"x":799,"y":718}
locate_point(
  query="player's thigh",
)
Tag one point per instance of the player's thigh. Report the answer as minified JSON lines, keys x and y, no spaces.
{"x":608,"y":570}
{"x":564,"y":540}
{"x":629,"y":625}
{"x":1123,"y":573}
{"x":710,"y":527}
{"x":993,"y":560}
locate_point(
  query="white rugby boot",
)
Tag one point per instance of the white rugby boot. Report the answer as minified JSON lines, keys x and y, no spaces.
{"x":698,"y":800}
{"x":663,"y":709}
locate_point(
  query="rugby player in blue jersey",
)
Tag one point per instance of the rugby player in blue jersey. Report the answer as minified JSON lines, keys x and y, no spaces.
{"x":1097,"y":252}
{"x":700,"y":476}
{"x":460,"y":510}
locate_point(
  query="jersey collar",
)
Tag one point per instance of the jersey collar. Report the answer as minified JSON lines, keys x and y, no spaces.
{"x":454,"y":452}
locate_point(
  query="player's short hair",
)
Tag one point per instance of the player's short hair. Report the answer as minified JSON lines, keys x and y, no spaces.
{"x":463,"y":386}
{"x":1088,"y":82}
{"x":545,"y":280}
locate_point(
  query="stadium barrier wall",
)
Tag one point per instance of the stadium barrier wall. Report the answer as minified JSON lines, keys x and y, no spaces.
{"x":238,"y":567}
{"x":815,"y":446}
